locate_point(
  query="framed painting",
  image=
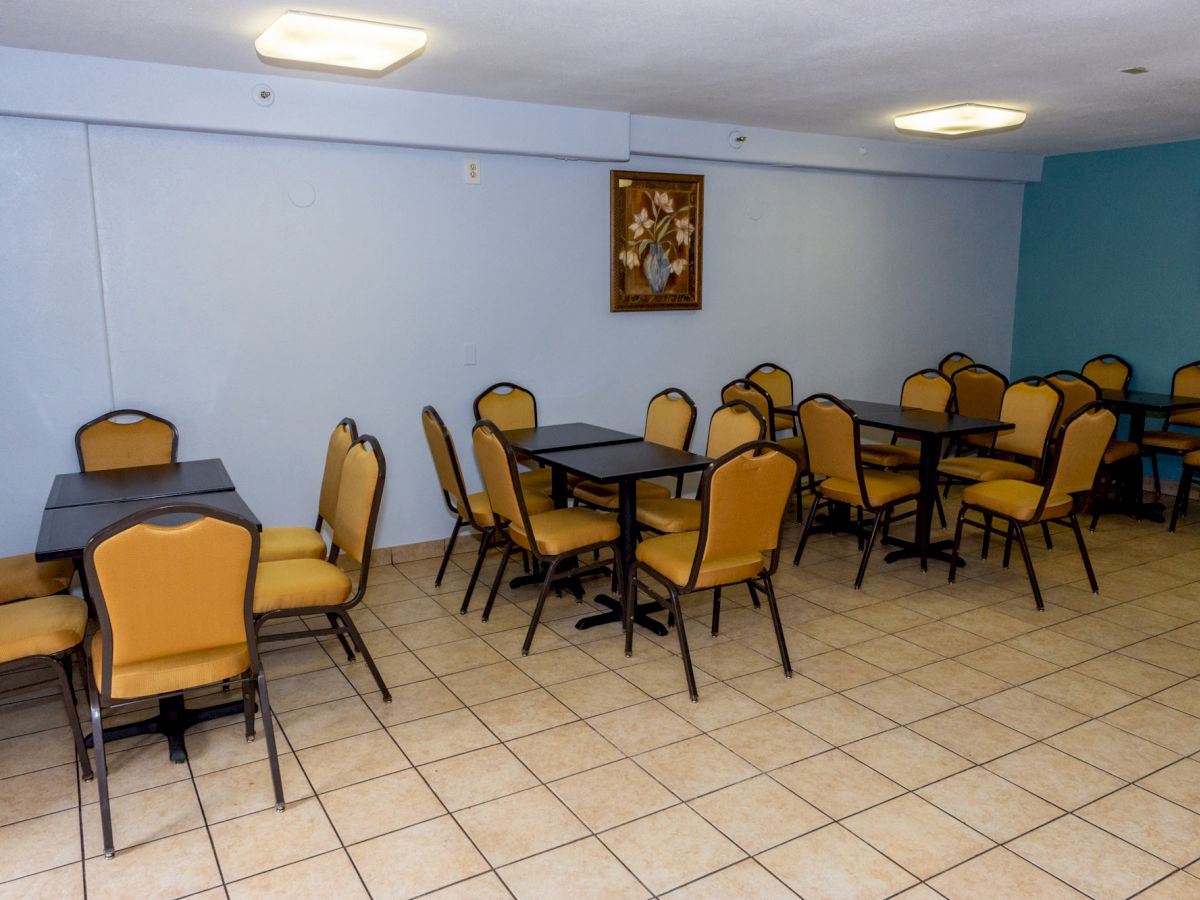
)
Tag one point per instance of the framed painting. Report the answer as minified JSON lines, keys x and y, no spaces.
{"x":657,"y":228}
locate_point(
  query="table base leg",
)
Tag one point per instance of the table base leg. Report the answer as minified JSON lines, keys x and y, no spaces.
{"x":640,"y":615}
{"x":570,"y":584}
{"x":939,"y":550}
{"x":172,"y":721}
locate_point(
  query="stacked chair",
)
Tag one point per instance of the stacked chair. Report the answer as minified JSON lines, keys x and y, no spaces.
{"x":777,"y":382}
{"x":751,"y":392}
{"x":1170,"y":440}
{"x":954,"y":362}
{"x":979,"y":393}
{"x":509,"y":406}
{"x":106,"y":442}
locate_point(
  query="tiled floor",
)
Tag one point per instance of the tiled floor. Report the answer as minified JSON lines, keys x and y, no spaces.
{"x":936,"y":740}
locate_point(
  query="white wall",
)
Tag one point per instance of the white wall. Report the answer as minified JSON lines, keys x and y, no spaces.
{"x":255,"y":324}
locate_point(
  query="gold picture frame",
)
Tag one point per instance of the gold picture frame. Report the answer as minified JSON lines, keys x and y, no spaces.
{"x":657,"y":227}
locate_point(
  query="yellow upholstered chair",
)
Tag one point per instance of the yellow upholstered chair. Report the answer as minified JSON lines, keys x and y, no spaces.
{"x":48,"y":630}
{"x":1191,"y":469}
{"x":22,"y":576}
{"x":733,"y":424}
{"x":309,"y":543}
{"x":835,"y":451}
{"x":174,"y":606}
{"x":777,"y":382}
{"x":510,"y":407}
{"x":1185,"y":383}
{"x":1064,"y":492}
{"x":1108,"y":372}
{"x":928,"y":389}
{"x":954,"y":362}
{"x":670,"y":418}
{"x":1031,"y":406}
{"x":754,"y":394}
{"x":286,"y":588}
{"x":979,"y":393}
{"x":108,"y":442}
{"x":551,"y":537}
{"x":743,"y":497}
{"x":467,"y":509}
{"x":1077,"y":391}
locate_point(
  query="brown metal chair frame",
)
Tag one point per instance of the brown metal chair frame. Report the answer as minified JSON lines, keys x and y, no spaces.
{"x":141,"y":413}
{"x":253,"y":680}
{"x":674,"y":591}
{"x":1153,"y":452}
{"x":1112,"y":357}
{"x":767,"y":367}
{"x":504,"y":384}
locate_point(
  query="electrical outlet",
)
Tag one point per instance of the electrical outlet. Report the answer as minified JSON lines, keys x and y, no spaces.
{"x":468,"y":354}
{"x":471,"y":171}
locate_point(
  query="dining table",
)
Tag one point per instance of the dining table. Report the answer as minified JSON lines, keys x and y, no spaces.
{"x":82,"y":503}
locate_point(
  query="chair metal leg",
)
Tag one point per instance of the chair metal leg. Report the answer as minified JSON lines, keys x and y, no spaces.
{"x":248,"y":704}
{"x":716,"y":616}
{"x":774,"y":606}
{"x":683,"y":644}
{"x":754,"y":596}
{"x":866,"y":557}
{"x":987,"y":535}
{"x":485,"y":540}
{"x":487,"y":607}
{"x":458,"y":523}
{"x":937,"y":504}
{"x":1037,"y":594}
{"x":333,"y":622}
{"x":1046,"y":535}
{"x":812,"y":514}
{"x":1181,"y":496}
{"x":62,"y":673}
{"x":366,"y":655}
{"x":269,"y":730}
{"x":101,"y":771}
{"x":541,"y":602}
{"x":1154,"y":470}
{"x":859,"y":529}
{"x":958,"y":528}
{"x":1083,"y":552}
{"x":799,"y":502}
{"x":1008,"y":543}
{"x":627,"y":609}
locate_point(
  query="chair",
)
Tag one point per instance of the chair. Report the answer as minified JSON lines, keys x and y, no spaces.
{"x":670,"y":419}
{"x":553,"y":537}
{"x":777,"y":382}
{"x":1109,"y":372}
{"x":928,"y":389}
{"x":979,"y":393}
{"x":954,"y":362}
{"x":754,"y":394}
{"x":1185,"y":383}
{"x":510,"y":406}
{"x":1191,"y":469}
{"x":308,"y":543}
{"x":22,"y":577}
{"x":1063,"y":494}
{"x":743,"y":498}
{"x":1077,"y":392}
{"x":835,"y":451}
{"x":467,"y":509}
{"x":104,"y":443}
{"x":174,"y":604}
{"x":287,"y":588}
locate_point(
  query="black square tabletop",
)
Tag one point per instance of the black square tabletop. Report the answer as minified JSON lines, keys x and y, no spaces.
{"x":613,"y":462}
{"x":67,"y":529}
{"x":921,"y":421}
{"x":1149,"y":401}
{"x":545,"y":438}
{"x":200,"y":476}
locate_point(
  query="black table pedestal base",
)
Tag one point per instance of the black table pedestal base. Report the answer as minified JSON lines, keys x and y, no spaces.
{"x":173,"y":719}
{"x":942,"y":551}
{"x":640,"y":615}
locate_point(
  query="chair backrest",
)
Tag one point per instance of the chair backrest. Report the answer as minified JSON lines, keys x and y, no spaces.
{"x":670,"y":418}
{"x":928,"y":389}
{"x":831,"y":437}
{"x":749,"y":392}
{"x":979,"y":391}
{"x":1186,"y":383}
{"x":775,"y":380}
{"x":1108,"y":371}
{"x":498,"y":466}
{"x":1032,"y":406}
{"x":363,"y":473}
{"x":445,"y":463}
{"x":1084,"y":440}
{"x":744,"y":495}
{"x":105,"y":443}
{"x":733,"y":424}
{"x":165,"y":589}
{"x":507,"y":405}
{"x":1077,"y":390}
{"x":345,"y":434}
{"x":954,"y":362}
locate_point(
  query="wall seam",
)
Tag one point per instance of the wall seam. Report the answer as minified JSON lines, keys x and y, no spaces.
{"x":112,"y":391}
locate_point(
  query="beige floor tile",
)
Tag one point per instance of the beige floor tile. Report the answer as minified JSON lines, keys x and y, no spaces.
{"x":1180,"y":886}
{"x":610,"y":652}
{"x":269,"y":839}
{"x":888,"y":616}
{"x":564,"y":750}
{"x":943,"y":638}
{"x":646,"y":726}
{"x":989,"y":804}
{"x":328,"y":875}
{"x":730,"y":659}
{"x":719,"y":705}
{"x":612,"y":795}
{"x":584,"y":870}
{"x":1003,"y":662}
{"x":520,"y":825}
{"x":1184,"y":697}
{"x":970,"y":734}
{"x":1001,"y":875}
{"x":1089,"y":859}
{"x":759,"y":813}
{"x":487,"y":886}
{"x":1130,"y":674}
{"x":445,"y":630}
{"x":1028,"y":713}
{"x":413,"y":701}
{"x":772,"y":689}
{"x":144,"y":816}
{"x":899,"y":699}
{"x":839,"y":631}
{"x":437,"y":737}
{"x":559,"y":665}
{"x":1179,"y":783}
{"x":990,"y":623}
{"x":745,"y":879}
{"x":522,"y":714}
{"x":917,"y":835}
{"x":663,"y":676}
{"x":371,"y":808}
{"x":832,"y":863}
{"x":1054,"y":647}
{"x":1156,"y":825}
{"x":326,"y":722}
{"x":307,"y":656}
{"x":1063,"y":780}
{"x":906,"y":758}
{"x":457,"y":656}
{"x":1140,"y":618}
{"x":486,"y":683}
{"x":38,"y":793}
{"x":593,"y":695}
{"x":63,"y":883}
{"x":248,"y":788}
{"x":396,"y":669}
{"x":172,"y":867}
{"x":477,"y":777}
{"x":350,"y":760}
{"x":394,"y":612}
{"x":893,"y":653}
{"x":1163,"y":725}
{"x":1080,"y":693}
{"x":510,"y":643}
{"x":838,"y":670}
{"x":296,"y":691}
{"x":1113,"y":750}
{"x":837,"y":784}
{"x":769,"y":741}
{"x":837,"y":719}
{"x":670,"y":848}
{"x":696,"y":766}
{"x":1100,"y":632}
{"x":36,"y":844}
{"x":957,"y":682}
{"x":417,"y":860}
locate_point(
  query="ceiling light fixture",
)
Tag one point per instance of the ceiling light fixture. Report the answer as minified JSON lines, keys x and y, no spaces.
{"x":961,"y":120}
{"x":337,"y":41}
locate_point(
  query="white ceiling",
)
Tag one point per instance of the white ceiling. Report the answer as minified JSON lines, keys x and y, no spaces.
{"x":826,"y":66}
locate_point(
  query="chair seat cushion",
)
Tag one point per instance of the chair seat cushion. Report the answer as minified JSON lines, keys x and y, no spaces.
{"x":1015,"y":499}
{"x":22,"y":576}
{"x":1179,"y":441}
{"x":883,"y":489}
{"x":564,"y":530}
{"x":606,"y":495}
{"x":481,"y":508}
{"x":41,"y":626}
{"x":299,"y":583}
{"x":1192,"y":459}
{"x":891,"y":456}
{"x":980,"y":440}
{"x":1119,"y":450}
{"x":536,"y":481}
{"x":986,"y":468}
{"x":670,"y":515}
{"x":290,"y":543}
{"x":179,"y":672}
{"x":671,"y":555}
